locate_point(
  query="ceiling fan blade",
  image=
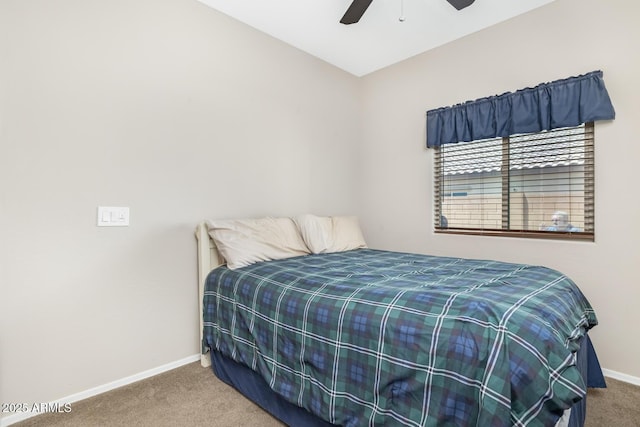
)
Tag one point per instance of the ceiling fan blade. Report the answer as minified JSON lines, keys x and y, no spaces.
{"x":460,"y":4}
{"x":355,"y":11}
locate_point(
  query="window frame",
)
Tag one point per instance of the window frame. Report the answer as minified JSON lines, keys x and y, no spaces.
{"x":589,"y":198}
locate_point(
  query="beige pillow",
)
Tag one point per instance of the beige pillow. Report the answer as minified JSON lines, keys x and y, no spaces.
{"x":346,"y":234}
{"x":330,"y":234}
{"x":246,"y":241}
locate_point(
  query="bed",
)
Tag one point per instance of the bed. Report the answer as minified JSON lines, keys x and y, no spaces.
{"x":360,"y":337}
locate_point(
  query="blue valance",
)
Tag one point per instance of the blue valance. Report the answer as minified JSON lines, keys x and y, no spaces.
{"x":562,"y":103}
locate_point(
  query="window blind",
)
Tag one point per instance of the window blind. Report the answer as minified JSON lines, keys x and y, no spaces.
{"x":537,"y":185}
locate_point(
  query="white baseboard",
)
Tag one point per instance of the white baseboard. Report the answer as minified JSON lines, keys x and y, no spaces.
{"x":7,"y":421}
{"x":11,"y":419}
{"x":621,"y":377}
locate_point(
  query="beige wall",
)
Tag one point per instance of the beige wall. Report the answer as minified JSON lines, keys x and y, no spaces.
{"x":174,"y":110}
{"x":562,"y":39}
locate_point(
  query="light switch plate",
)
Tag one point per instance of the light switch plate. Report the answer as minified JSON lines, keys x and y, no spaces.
{"x":113,"y":216}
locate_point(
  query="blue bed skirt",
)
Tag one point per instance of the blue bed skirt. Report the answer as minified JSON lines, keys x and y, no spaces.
{"x":252,"y":386}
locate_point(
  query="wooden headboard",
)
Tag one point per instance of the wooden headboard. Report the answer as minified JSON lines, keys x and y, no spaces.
{"x":208,"y":259}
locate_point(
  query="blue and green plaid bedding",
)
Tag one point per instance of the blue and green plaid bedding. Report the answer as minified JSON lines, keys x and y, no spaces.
{"x":369,"y":338}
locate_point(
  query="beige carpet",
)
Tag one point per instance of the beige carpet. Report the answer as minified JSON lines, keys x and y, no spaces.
{"x":193,"y":396}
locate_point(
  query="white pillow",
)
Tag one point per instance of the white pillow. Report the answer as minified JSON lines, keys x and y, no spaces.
{"x":316,"y":231}
{"x":246,"y":241}
{"x":330,"y":234}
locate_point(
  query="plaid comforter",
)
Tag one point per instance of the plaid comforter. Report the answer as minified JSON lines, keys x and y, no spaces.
{"x":368,"y":337}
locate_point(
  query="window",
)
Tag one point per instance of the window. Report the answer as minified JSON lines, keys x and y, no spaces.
{"x":527,"y":185}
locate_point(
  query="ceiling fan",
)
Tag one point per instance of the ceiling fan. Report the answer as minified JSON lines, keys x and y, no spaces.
{"x":358,"y":7}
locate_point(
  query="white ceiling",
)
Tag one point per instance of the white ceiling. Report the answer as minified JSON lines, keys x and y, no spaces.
{"x":380,"y":38}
